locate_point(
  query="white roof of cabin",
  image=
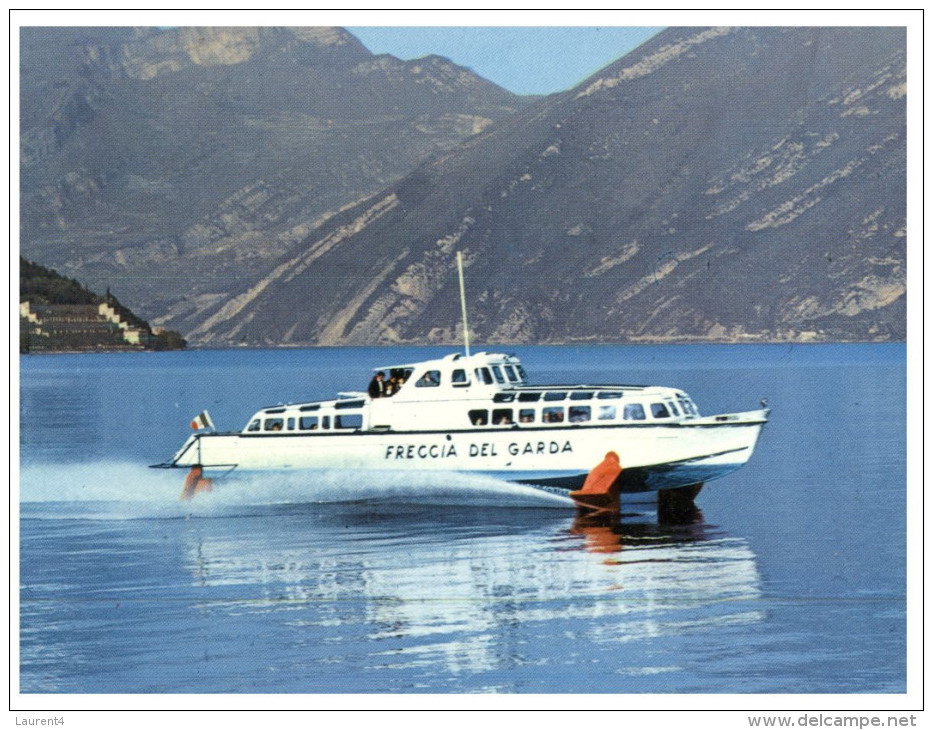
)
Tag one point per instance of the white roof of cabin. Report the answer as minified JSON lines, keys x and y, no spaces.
{"x":456,"y":359}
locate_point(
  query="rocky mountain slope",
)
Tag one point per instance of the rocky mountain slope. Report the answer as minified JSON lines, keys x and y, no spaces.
{"x":716,"y":184}
{"x":720,"y":184}
{"x":175,"y":165}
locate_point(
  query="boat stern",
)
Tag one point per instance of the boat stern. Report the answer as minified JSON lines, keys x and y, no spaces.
{"x":187,"y":456}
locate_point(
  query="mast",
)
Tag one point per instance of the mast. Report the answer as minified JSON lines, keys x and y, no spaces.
{"x":466,"y":329}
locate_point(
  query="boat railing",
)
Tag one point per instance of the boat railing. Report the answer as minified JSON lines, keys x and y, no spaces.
{"x":573,"y":387}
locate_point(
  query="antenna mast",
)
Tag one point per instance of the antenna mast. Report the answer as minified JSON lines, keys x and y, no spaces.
{"x":466,"y":330}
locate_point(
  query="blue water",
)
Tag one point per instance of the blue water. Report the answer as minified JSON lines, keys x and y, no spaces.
{"x":790,"y":579}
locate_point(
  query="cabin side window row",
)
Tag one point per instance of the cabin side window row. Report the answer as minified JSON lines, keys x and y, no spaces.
{"x":659,"y":410}
{"x":342,"y":421}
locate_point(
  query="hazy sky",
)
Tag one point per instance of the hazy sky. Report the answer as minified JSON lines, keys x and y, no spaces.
{"x":537,"y":60}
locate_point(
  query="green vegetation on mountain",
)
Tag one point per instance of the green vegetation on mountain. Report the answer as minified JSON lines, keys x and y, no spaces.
{"x":40,"y":285}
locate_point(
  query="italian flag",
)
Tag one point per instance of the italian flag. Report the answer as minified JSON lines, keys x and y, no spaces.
{"x":202,"y":420}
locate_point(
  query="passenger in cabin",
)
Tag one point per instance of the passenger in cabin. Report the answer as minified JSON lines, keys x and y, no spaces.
{"x":377,"y":388}
{"x":504,"y":419}
{"x":393,"y":385}
{"x":553,"y":415}
{"x":430,"y":379}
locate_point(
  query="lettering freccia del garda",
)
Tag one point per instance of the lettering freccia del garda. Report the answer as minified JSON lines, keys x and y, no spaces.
{"x":477,"y":449}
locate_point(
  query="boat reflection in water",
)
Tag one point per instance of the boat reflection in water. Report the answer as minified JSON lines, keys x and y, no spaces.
{"x":441,"y":595}
{"x":610,"y":532}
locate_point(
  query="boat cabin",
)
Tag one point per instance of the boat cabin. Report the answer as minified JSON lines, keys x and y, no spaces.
{"x":480,"y":391}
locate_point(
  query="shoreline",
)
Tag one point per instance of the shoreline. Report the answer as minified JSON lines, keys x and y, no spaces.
{"x":458,"y":345}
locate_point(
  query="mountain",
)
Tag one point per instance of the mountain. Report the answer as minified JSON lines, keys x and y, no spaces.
{"x":716,"y":184}
{"x":173,"y":165}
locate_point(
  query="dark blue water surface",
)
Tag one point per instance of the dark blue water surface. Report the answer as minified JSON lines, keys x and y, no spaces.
{"x":791,"y":579}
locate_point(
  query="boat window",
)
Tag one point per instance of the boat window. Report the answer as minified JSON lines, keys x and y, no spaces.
{"x":510,"y":373}
{"x":398,"y":377}
{"x":673,"y":408}
{"x":479,"y":417}
{"x":529,"y":397}
{"x":634,"y":412}
{"x":659,"y":410}
{"x":498,"y":373}
{"x":312,"y":407}
{"x":502,"y":417}
{"x":348,"y":420}
{"x":526,"y":415}
{"x":609,"y":395}
{"x":606,"y":413}
{"x":555,"y":395}
{"x":578,"y":414}
{"x":521,"y":373}
{"x":689,"y":407}
{"x":348,"y":404}
{"x":307,"y":423}
{"x":253,"y":425}
{"x":581,"y":395}
{"x":459,"y":378}
{"x":291,"y":424}
{"x":503,"y":397}
{"x":555,"y":414}
{"x":430,"y":379}
{"x":325,"y":422}
{"x":484,"y":376}
{"x":273,"y":424}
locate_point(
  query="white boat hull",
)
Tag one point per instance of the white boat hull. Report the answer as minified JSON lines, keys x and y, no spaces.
{"x":653,"y":457}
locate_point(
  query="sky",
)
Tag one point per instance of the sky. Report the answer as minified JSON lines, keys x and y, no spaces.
{"x":524,"y":60}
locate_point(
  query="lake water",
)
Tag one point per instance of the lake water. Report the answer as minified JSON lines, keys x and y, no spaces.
{"x":791,"y":579}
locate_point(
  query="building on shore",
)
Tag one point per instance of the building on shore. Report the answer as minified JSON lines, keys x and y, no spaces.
{"x":77,"y":327}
